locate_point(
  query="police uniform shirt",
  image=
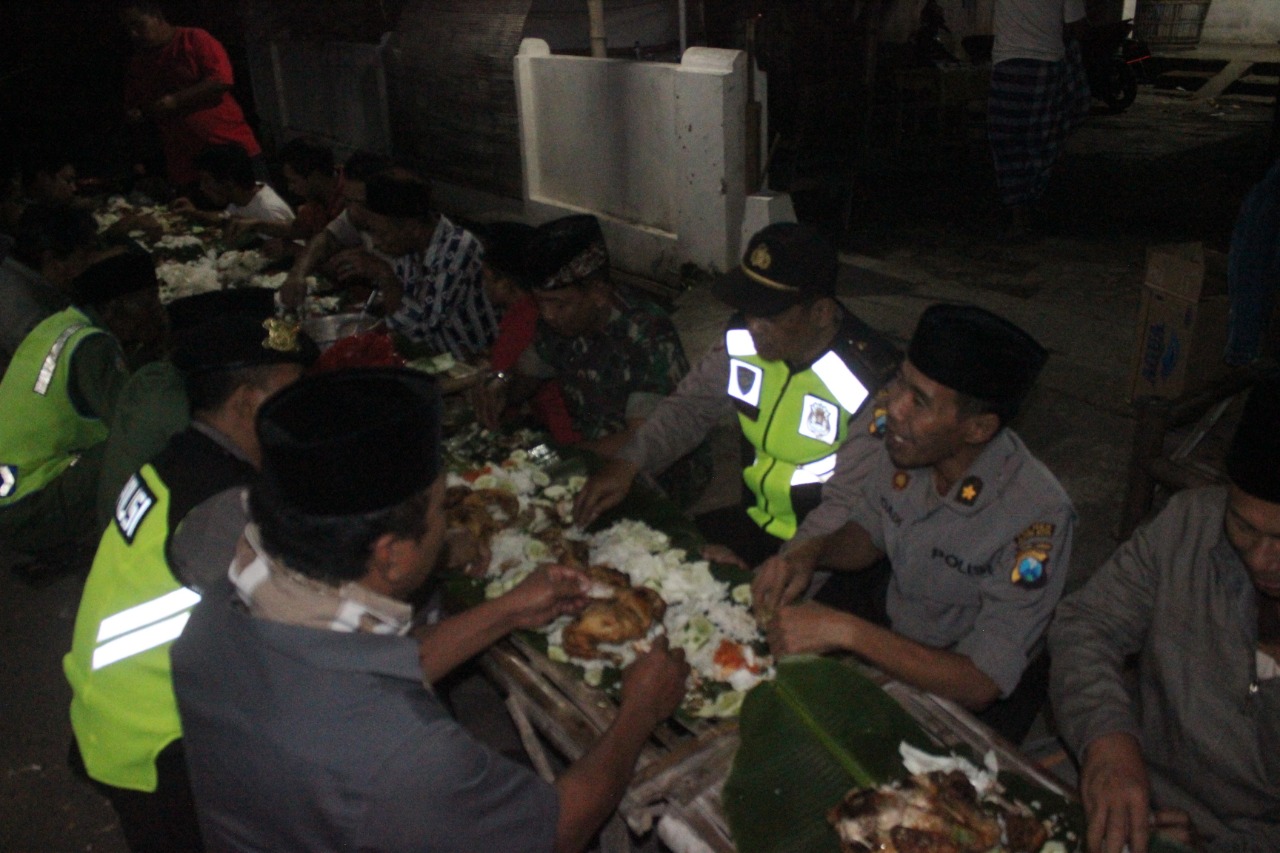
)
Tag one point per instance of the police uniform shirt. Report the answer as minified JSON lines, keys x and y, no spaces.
{"x":979,"y":570}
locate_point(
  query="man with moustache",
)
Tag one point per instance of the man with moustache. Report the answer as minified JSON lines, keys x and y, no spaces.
{"x":977,"y":531}
{"x":1193,"y":751}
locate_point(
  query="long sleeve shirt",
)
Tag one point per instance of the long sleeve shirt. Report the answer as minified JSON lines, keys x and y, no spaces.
{"x":1178,"y":596}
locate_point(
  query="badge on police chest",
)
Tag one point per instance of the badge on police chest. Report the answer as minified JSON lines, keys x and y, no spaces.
{"x":819,"y":419}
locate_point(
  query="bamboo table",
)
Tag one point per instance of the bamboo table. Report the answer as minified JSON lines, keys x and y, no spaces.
{"x":676,"y":789}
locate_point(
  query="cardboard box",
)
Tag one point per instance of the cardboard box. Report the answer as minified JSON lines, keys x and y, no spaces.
{"x":1182,"y":322}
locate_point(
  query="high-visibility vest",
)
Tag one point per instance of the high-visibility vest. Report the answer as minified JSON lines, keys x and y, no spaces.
{"x":123,"y":709}
{"x":796,"y":421}
{"x":41,"y":433}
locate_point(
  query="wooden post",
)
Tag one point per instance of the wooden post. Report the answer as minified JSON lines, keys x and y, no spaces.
{"x":595,"y":14}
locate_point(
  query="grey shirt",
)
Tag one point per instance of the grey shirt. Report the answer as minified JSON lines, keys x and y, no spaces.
{"x":307,"y":739}
{"x":978,"y":570}
{"x":1178,"y":596}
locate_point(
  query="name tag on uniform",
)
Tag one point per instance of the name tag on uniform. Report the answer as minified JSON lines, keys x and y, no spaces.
{"x":132,"y":506}
{"x":819,"y":419}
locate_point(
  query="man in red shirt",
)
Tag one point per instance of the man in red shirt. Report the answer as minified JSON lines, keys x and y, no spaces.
{"x":180,"y":77}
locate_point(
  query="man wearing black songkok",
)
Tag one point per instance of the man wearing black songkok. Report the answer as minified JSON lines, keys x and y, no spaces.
{"x":1195,"y":595}
{"x":976,"y":529}
{"x":309,"y":718}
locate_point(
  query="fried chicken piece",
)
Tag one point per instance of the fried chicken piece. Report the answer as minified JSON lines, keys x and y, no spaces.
{"x":928,"y":813}
{"x":482,"y":512}
{"x":627,"y":614}
{"x":1024,"y":833}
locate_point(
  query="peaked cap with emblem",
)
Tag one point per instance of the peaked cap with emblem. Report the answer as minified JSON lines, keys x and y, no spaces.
{"x":236,"y":340}
{"x":785,"y":264}
{"x":351,"y":442}
{"x":972,"y":351}
{"x":1253,"y":460}
{"x":566,"y":251}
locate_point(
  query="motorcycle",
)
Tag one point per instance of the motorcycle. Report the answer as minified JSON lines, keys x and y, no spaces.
{"x":1110,"y":58}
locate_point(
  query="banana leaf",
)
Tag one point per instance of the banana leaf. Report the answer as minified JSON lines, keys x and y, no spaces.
{"x":817,"y":730}
{"x":822,"y":728}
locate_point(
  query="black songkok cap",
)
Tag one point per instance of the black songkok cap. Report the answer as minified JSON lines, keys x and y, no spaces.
{"x":235,"y":341}
{"x":785,"y":264}
{"x":566,"y":251}
{"x":1253,"y":461}
{"x":115,"y":276}
{"x":202,"y":307}
{"x":505,"y":247}
{"x":398,"y":194}
{"x":351,"y":442}
{"x":972,"y":351}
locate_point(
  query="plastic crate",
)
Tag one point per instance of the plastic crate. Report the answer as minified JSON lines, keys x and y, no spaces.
{"x":1163,"y":23}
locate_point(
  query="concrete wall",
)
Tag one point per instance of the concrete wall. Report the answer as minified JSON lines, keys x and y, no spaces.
{"x":656,"y":150}
{"x":325,"y":90}
{"x":1242,"y":22}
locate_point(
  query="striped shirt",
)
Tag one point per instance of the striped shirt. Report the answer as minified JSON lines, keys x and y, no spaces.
{"x":444,"y":304}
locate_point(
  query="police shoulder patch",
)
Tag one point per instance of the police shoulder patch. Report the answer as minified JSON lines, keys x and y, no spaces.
{"x":1031,"y":565}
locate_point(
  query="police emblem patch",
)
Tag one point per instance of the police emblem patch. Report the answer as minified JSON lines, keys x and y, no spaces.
{"x":744,"y":381}
{"x":819,"y":419}
{"x":900,"y":480}
{"x":1031,"y":566}
{"x":970,"y":488}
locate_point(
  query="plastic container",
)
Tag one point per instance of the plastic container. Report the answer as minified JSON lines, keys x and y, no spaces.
{"x":1170,"y":23}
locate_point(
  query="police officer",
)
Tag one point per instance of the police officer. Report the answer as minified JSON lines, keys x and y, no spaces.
{"x":977,"y":531}
{"x":57,"y":396}
{"x":796,"y":368}
{"x":173,"y":532}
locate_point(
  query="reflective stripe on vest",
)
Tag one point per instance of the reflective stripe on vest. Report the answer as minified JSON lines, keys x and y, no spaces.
{"x":739,"y":342}
{"x":45,"y":377}
{"x":144,"y":626}
{"x":839,"y":379}
{"x":811,"y":473}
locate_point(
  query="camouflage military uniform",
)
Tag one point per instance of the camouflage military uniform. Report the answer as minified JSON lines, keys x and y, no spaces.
{"x":622,"y":373}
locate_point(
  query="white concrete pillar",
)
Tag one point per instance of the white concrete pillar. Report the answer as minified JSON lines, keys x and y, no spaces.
{"x":710,"y":156}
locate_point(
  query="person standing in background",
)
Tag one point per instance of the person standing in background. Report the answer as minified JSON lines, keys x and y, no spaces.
{"x":1039,"y":94}
{"x":180,"y":78}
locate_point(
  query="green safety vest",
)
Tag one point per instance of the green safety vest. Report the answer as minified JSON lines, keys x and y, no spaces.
{"x":123,"y":709}
{"x":796,"y":421}
{"x":41,"y":433}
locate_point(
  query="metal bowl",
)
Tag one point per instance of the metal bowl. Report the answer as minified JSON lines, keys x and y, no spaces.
{"x":326,"y":330}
